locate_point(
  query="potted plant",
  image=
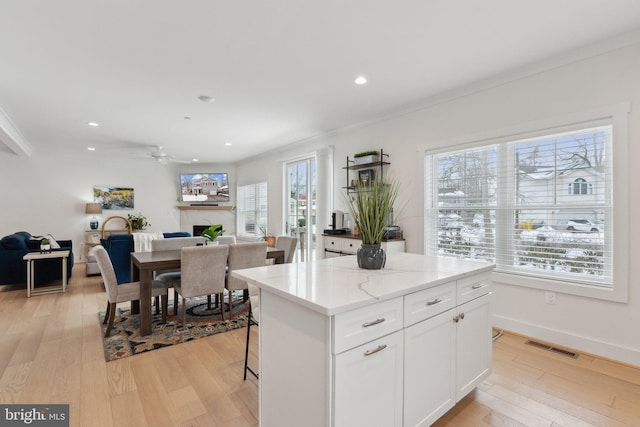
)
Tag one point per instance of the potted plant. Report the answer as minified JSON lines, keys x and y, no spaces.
{"x":213,"y":232}
{"x":268,"y":237}
{"x":138,"y":222}
{"x":364,"y":157}
{"x":45,"y":245}
{"x":371,"y":207}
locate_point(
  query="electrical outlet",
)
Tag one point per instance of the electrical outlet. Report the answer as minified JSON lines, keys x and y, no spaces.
{"x":550,"y":298}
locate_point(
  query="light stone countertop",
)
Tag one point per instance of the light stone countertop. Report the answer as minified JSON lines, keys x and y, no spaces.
{"x":334,"y":285}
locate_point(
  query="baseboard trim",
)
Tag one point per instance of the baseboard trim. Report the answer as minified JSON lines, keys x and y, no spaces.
{"x":616,"y":353}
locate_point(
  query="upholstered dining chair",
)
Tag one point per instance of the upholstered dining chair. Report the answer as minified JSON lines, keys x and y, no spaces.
{"x":288,"y":244}
{"x":123,"y":292}
{"x":169,"y":277}
{"x":202,"y":273}
{"x":226,"y":240}
{"x":243,"y":255}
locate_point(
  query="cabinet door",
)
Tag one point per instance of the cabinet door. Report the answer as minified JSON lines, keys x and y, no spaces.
{"x":368,"y":384}
{"x":473,"y":333}
{"x":429,"y":386}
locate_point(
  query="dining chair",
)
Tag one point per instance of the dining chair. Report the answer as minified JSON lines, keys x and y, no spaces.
{"x":202,"y":273}
{"x":243,"y":255}
{"x":226,"y":240}
{"x":169,"y":277}
{"x":288,"y":244}
{"x":123,"y":292}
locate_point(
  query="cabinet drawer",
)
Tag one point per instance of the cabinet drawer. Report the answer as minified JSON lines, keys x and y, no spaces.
{"x":351,"y":246}
{"x":473,"y":287}
{"x":422,"y":305}
{"x":332,"y":244}
{"x":362,"y":325}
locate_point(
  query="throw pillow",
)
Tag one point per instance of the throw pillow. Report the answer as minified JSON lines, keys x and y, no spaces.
{"x":54,"y":244}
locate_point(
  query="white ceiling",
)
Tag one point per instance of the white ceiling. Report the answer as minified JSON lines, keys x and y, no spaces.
{"x":280,"y":71}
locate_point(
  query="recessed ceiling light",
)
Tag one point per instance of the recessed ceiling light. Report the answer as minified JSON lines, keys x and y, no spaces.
{"x":187,"y":118}
{"x":228,"y":144}
{"x":91,"y":148}
{"x":94,"y":124}
{"x":206,"y":98}
{"x":194,"y":160}
{"x":360,"y":80}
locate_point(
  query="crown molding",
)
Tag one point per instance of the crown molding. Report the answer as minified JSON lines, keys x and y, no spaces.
{"x":11,"y":136}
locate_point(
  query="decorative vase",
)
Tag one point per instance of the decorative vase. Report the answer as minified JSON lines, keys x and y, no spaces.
{"x":271,"y":241}
{"x":371,"y":257}
{"x":45,"y":248}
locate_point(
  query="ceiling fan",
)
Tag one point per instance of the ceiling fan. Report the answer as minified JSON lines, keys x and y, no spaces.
{"x":163,"y":158}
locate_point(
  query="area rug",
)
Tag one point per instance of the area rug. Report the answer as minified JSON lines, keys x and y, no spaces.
{"x":125,"y":339}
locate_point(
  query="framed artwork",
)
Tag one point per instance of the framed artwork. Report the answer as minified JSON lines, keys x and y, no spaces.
{"x":114,"y":198}
{"x":366,"y":176}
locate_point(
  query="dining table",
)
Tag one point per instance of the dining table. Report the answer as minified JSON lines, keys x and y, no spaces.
{"x":143,"y":264}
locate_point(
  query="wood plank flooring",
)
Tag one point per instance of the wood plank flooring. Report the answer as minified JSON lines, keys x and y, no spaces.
{"x":51,"y":352}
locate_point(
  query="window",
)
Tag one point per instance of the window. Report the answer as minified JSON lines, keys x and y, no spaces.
{"x":512,"y":201}
{"x":580,"y":186}
{"x":252,"y":209}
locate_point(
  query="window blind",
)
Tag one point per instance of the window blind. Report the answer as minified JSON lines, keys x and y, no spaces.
{"x":539,"y":206}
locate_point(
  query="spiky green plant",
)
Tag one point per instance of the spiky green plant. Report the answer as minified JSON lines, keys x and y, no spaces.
{"x":370,"y":206}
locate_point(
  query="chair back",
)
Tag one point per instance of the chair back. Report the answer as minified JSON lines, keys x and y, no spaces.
{"x":244,"y":255}
{"x":175,"y":243}
{"x":119,"y":248}
{"x":203,"y":270}
{"x":288,"y":244}
{"x":107,"y":272}
{"x":226,"y":240}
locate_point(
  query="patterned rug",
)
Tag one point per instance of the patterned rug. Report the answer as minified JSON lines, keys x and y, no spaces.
{"x":125,"y":339}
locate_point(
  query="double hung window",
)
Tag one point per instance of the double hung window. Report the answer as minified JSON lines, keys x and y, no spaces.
{"x":252,"y":209}
{"x":539,"y":207}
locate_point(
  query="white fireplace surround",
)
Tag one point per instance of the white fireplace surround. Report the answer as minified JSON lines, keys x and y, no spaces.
{"x":190,"y":218}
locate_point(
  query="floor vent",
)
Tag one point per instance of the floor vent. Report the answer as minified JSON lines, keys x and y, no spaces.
{"x":554,"y":349}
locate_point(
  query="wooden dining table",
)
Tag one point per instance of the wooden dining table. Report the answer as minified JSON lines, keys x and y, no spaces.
{"x":143,"y":264}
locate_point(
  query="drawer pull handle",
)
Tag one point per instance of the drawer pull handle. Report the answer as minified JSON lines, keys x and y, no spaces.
{"x":435,"y":301}
{"x":373,"y":322}
{"x":375,"y":350}
{"x":478,"y":286}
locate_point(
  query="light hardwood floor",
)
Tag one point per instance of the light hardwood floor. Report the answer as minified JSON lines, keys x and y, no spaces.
{"x":51,"y":352}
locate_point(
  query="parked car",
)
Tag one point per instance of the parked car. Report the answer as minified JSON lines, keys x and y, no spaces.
{"x":582,"y":225}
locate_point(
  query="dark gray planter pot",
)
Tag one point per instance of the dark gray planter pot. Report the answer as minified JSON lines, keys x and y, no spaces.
{"x":371,"y":257}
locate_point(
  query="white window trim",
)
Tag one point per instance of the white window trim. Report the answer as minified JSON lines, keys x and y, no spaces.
{"x":619,"y":117}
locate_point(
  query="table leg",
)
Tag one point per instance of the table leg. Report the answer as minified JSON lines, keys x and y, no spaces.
{"x":145,"y":302}
{"x":64,"y":274}
{"x":29,"y":277}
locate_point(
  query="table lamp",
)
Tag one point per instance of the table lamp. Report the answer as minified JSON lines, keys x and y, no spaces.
{"x":93,"y":208}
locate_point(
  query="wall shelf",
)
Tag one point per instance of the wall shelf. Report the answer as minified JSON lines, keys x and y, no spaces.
{"x":206,"y":208}
{"x":378,"y":165}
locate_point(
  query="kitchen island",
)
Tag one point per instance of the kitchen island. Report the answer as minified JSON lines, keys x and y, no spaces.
{"x":343,"y":346}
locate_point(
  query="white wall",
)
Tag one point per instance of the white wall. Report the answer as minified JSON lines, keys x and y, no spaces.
{"x":46,"y":193}
{"x":595,"y":326}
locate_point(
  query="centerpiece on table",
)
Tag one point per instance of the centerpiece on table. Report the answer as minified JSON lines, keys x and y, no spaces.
{"x":371,"y":206}
{"x":138,"y":222}
{"x":213,"y":232}
{"x":268,"y":237}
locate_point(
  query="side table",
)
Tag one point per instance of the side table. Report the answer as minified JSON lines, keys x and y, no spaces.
{"x":30,"y":258}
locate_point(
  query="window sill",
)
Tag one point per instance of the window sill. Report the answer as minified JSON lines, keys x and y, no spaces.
{"x":612,"y":293}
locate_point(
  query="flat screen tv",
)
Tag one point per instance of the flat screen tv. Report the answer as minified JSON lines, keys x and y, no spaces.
{"x":204,"y":187}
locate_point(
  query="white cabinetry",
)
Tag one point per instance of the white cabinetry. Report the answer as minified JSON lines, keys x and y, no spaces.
{"x":347,"y":347}
{"x":337,"y":246}
{"x":451,"y":348}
